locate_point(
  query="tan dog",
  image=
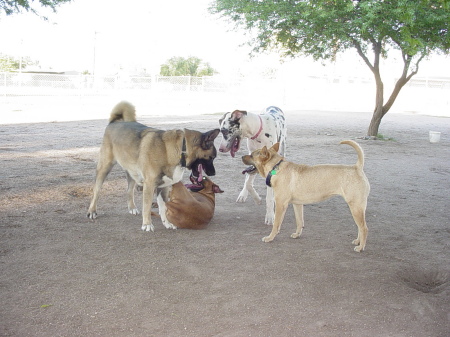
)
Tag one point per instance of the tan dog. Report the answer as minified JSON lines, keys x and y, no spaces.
{"x":153,"y":159}
{"x":302,"y":184}
{"x":192,"y":209}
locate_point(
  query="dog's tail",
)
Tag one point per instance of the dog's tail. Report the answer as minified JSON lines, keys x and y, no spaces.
{"x":359,"y":151}
{"x":123,"y":111}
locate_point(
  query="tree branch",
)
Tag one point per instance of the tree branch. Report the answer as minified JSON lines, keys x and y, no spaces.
{"x":358,"y":47}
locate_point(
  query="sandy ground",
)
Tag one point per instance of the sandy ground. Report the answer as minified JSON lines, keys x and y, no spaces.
{"x":64,"y":275}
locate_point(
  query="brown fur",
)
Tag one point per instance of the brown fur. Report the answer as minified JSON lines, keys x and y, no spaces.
{"x":150,"y":157}
{"x":302,"y":184}
{"x":189,"y":209}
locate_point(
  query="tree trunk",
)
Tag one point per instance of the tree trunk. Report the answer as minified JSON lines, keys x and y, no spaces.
{"x":380,"y":108}
{"x":378,"y":112}
{"x":375,"y":122}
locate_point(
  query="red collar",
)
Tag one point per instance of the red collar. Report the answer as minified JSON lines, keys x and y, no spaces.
{"x":260,"y":129}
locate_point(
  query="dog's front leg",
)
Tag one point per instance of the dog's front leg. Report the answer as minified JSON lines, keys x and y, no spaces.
{"x":280,"y":210}
{"x":270,"y":205}
{"x":298,"y":211}
{"x":162,"y":211}
{"x":147,"y":199}
{"x":248,"y":187}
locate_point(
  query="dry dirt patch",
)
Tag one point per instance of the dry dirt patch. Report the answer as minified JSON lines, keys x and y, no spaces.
{"x":64,"y":275}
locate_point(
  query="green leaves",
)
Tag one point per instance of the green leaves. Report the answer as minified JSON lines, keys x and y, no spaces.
{"x":17,"y":6}
{"x":192,"y":66}
{"x":321,"y":28}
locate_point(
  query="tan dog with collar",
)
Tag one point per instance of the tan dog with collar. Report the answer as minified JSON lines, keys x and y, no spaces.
{"x":302,"y":184}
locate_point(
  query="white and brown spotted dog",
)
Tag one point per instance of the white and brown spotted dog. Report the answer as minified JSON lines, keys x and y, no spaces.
{"x":264,"y":129}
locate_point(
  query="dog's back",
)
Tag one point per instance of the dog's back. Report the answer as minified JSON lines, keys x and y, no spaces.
{"x":189,"y":209}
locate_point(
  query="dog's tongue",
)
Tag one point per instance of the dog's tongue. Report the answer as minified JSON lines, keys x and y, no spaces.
{"x":232,"y":152}
{"x":196,"y":181}
{"x":234,"y":147}
{"x":200,"y":173}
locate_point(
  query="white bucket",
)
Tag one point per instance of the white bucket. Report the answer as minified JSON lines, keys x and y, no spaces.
{"x":435,"y":136}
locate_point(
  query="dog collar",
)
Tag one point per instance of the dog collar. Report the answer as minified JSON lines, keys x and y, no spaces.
{"x":260,"y":129}
{"x":183,"y":153}
{"x":272,"y":173}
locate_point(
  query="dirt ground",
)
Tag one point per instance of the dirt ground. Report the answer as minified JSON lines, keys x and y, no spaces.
{"x":62,"y":274}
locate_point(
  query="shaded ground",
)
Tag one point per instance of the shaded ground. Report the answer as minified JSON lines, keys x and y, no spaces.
{"x":64,"y":275}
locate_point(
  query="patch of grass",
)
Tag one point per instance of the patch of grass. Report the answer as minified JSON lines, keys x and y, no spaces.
{"x":383,"y":137}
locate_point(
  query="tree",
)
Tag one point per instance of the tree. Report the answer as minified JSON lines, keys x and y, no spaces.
{"x":10,"y":63}
{"x":323,"y":28}
{"x":10,"y":7}
{"x":192,"y":66}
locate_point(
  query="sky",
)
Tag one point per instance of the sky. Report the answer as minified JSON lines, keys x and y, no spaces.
{"x":112,"y":36}
{"x":122,"y":34}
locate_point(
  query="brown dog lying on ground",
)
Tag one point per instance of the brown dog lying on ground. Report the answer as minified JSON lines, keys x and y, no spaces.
{"x":302,"y":184}
{"x":192,"y":209}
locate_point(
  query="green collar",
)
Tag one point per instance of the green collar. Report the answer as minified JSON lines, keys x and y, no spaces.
{"x":272,"y":173}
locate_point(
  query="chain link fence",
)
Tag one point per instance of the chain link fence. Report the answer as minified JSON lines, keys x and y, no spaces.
{"x":37,"y":84}
{"x":174,"y":94}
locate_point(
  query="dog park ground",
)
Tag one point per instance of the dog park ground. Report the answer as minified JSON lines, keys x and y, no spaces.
{"x":62,"y":274}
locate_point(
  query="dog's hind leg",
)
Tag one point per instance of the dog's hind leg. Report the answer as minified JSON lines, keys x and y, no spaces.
{"x":280,"y":210}
{"x":248,"y":187}
{"x":298,"y":211}
{"x":359,"y":215}
{"x":132,"y":209}
{"x":103,"y":168}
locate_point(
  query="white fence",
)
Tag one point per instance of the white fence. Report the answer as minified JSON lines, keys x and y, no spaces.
{"x":38,"y":84}
{"x":28,"y":92}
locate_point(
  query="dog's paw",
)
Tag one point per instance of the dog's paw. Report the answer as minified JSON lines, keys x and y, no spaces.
{"x":169,"y":225}
{"x":358,"y":249}
{"x":355,"y":242}
{"x":148,"y":228}
{"x":257,"y":199}
{"x":92,"y":215}
{"x":295,"y":235}
{"x":242,"y":197}
{"x":267,"y":239}
{"x":269,"y":219}
{"x":134,"y":211}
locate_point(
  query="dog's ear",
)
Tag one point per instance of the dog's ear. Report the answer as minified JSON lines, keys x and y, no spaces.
{"x":207,"y":140}
{"x":223,"y":118}
{"x":276,"y":147}
{"x":211,"y":135}
{"x":264,"y":152}
{"x":216,"y":189}
{"x":237,"y":114}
